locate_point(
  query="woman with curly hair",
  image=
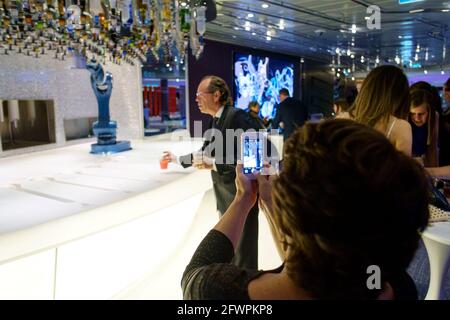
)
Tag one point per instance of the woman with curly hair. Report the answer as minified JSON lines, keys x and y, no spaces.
{"x":341,"y":205}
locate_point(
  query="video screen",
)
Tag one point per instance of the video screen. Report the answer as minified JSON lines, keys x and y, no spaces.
{"x":253,"y":154}
{"x":259,"y":78}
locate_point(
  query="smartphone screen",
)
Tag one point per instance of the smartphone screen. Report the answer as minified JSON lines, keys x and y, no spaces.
{"x":252,"y":154}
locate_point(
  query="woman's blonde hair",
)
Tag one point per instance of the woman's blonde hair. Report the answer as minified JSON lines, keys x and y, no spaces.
{"x":384,"y":92}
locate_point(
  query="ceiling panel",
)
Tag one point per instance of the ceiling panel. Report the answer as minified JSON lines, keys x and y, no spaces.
{"x":315,"y":28}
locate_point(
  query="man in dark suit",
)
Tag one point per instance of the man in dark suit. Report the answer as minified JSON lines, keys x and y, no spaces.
{"x":290,"y":114}
{"x":213,"y":98}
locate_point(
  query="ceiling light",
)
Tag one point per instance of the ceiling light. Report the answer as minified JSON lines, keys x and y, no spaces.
{"x":442,"y":72}
{"x":247,"y":23}
{"x":338,"y":50}
{"x":268,"y":38}
{"x":247,"y":28}
{"x":349,"y":52}
{"x":362,"y":59}
{"x":333,"y":69}
{"x":265,"y":5}
{"x":426,"y":55}
{"x":377,"y":60}
{"x":353,"y":28}
{"x":416,"y":57}
{"x":253,"y":34}
{"x":250,"y":15}
{"x":416,"y":11}
{"x":418,"y":48}
{"x":338,"y":74}
{"x":183,"y":4}
{"x":397,"y":59}
{"x":400,"y":37}
{"x":352,"y":56}
{"x":445,"y":10}
{"x":425,"y":71}
{"x":235,"y":28}
{"x":353,"y":78}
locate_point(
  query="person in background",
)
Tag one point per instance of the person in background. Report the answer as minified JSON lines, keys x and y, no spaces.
{"x":290,"y":114}
{"x":358,"y":84}
{"x":327,"y":247}
{"x":340,"y":108}
{"x":383,"y":104}
{"x":253,"y":112}
{"x":424,"y":122}
{"x":444,"y":133}
{"x":214,"y":98}
{"x":444,"y":120}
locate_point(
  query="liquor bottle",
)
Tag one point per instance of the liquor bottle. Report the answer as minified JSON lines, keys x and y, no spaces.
{"x":185,"y":17}
{"x":61,"y":16}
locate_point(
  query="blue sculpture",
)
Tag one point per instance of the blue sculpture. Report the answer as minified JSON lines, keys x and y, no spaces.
{"x":105,"y":128}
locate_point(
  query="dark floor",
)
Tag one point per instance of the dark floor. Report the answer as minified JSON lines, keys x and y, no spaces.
{"x":419,"y":270}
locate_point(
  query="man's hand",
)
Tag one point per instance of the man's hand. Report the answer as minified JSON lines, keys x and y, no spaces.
{"x":169,"y":156}
{"x":200,"y":161}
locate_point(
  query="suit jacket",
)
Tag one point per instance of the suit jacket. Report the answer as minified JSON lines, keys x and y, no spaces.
{"x":224,"y":178}
{"x":292,"y":113}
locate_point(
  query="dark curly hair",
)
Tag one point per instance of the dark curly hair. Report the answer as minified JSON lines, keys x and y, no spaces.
{"x":345,"y":200}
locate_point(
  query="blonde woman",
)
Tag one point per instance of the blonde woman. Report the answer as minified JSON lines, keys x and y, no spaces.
{"x":383,"y":104}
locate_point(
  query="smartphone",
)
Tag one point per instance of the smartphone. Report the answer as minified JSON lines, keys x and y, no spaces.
{"x":252,"y":149}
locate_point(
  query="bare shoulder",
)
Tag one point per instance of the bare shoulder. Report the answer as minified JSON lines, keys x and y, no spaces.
{"x":402,"y":136}
{"x":402,"y":128}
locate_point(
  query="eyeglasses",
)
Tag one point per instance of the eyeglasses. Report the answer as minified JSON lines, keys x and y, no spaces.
{"x":200,"y":93}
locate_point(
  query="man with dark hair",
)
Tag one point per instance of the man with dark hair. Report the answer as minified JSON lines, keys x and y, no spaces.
{"x":213,"y":98}
{"x":290,"y":114}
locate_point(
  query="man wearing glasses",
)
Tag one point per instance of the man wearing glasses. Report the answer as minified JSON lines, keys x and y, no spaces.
{"x":213,"y":97}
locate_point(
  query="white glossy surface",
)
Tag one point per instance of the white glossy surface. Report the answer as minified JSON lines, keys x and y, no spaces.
{"x":30,"y":278}
{"x":437,"y":241}
{"x":118,"y":226}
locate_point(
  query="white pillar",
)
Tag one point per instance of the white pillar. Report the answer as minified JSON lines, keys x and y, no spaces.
{"x":2,"y":116}
{"x":13,"y":111}
{"x":31,"y":110}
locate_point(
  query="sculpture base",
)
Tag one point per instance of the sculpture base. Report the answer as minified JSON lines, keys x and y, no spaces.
{"x":119,"y":146}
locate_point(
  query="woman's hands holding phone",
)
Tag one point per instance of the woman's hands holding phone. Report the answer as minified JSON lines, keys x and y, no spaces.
{"x":248,"y":186}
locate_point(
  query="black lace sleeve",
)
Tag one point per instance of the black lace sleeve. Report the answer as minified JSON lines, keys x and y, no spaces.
{"x":210,"y":274}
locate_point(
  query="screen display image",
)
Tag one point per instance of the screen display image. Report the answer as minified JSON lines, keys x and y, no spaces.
{"x":252,"y":154}
{"x":259,"y":78}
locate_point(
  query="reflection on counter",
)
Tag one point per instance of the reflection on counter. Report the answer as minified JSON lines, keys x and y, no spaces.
{"x":26,"y":123}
